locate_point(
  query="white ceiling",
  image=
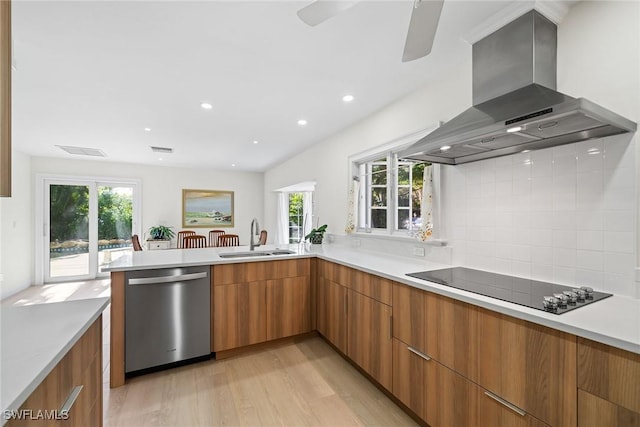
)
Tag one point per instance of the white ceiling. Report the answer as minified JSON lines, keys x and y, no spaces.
{"x":95,"y":74}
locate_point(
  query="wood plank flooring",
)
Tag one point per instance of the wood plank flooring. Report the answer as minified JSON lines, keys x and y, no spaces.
{"x":295,"y":384}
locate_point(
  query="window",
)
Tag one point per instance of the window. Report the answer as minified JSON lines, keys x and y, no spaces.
{"x":296,"y":216}
{"x":390,"y":196}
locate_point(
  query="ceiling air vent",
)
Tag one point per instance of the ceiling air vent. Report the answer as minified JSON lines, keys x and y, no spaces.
{"x":82,"y":151}
{"x":165,"y":150}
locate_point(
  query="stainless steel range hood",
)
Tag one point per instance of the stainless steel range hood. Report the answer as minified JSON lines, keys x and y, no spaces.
{"x":515,"y":104}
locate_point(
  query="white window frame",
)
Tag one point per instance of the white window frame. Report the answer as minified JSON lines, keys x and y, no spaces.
{"x":388,"y":151}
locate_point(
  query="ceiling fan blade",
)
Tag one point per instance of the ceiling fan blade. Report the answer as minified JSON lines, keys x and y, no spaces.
{"x":422,"y":29}
{"x":321,"y":10}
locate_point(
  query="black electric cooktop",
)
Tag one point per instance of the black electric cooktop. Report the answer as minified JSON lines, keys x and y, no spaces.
{"x":549,"y":297}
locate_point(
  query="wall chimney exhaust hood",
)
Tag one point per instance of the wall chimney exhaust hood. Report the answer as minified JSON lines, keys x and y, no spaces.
{"x":515,"y":104}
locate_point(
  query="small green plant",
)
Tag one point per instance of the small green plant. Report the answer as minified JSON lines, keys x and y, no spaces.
{"x":316,"y":235}
{"x":161,"y":232}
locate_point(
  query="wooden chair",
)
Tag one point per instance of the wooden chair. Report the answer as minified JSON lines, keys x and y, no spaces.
{"x":181,"y":235}
{"x":213,"y":237}
{"x":263,"y":237}
{"x":194,"y":241}
{"x":135,"y":241}
{"x":228,"y":240}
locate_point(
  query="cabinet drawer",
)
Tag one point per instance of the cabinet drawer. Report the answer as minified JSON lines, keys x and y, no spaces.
{"x":594,"y":411}
{"x":226,"y":274}
{"x":611,"y":373}
{"x":444,"y":398}
{"x":367,"y":284}
{"x":152,"y":246}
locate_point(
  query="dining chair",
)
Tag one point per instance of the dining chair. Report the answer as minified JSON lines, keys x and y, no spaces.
{"x":263,"y":237}
{"x":181,"y":235}
{"x":135,"y":241}
{"x":213,"y":237}
{"x":195,"y":241}
{"x":228,"y":240}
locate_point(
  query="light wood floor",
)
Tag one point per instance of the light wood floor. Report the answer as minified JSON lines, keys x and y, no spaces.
{"x":296,"y":384}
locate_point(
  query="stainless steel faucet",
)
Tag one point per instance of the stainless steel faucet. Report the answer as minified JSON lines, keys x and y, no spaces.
{"x":255,"y":231}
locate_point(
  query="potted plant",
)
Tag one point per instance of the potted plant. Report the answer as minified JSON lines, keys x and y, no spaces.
{"x":161,"y":232}
{"x":316,"y":235}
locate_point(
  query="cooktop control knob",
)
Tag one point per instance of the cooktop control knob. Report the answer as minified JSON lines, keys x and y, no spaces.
{"x":582,"y":295}
{"x":588,"y":291}
{"x":550,"y":303}
{"x":572,"y":297}
{"x":562,"y":300}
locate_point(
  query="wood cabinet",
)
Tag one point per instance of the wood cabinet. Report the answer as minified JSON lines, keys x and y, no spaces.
{"x":5,"y":98}
{"x":239,"y":315}
{"x":354,"y":314}
{"x":288,"y":307}
{"x":530,"y":366}
{"x":81,"y":366}
{"x":609,"y":385}
{"x":369,"y":336}
{"x":444,"y":398}
{"x":261,"y":301}
{"x":331,"y":312}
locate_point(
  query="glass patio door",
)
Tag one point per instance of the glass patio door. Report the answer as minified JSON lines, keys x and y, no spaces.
{"x":87,"y":225}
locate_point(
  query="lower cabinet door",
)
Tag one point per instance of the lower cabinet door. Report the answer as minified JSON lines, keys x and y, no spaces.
{"x":239,"y":315}
{"x":331,"y":314}
{"x":594,"y":411}
{"x":369,"y":331}
{"x":288,"y":307}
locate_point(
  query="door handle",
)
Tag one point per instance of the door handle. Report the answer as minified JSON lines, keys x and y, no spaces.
{"x":503,"y":402}
{"x":418,"y":353}
{"x":71,"y":399}
{"x":166,"y":279}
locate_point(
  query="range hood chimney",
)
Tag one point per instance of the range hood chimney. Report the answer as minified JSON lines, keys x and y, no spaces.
{"x":515,"y":104}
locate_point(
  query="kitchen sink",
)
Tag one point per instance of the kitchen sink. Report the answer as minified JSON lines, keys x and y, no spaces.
{"x":256,"y":253}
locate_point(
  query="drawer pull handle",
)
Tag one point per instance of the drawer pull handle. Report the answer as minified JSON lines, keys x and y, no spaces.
{"x":66,"y":407}
{"x":514,"y":408}
{"x":419,"y":353}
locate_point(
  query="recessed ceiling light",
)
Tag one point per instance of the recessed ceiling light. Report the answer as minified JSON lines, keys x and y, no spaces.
{"x":255,"y":142}
{"x":233,"y":165}
{"x":348,"y":98}
{"x":147,"y":129}
{"x":302,"y":122}
{"x":206,"y":106}
{"x":445,"y":148}
{"x":160,"y":158}
{"x":514,"y":129}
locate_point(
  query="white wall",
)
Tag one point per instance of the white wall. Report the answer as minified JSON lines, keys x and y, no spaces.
{"x":16,"y":230}
{"x":560,"y":214}
{"x":327,"y":164}
{"x":162,"y":187}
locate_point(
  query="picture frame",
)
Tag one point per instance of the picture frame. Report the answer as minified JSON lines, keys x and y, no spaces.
{"x":207,"y":208}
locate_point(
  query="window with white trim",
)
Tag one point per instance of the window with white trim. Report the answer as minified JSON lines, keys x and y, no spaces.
{"x":391,"y":194}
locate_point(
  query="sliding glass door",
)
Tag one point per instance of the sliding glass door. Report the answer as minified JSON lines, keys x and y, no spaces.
{"x":87,"y":225}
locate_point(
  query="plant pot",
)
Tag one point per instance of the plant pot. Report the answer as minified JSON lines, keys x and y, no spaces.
{"x":316,"y":239}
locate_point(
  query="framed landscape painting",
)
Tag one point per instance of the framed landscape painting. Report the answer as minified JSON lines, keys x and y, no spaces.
{"x":207,"y":208}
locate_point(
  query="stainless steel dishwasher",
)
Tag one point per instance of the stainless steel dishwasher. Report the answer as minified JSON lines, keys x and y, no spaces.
{"x":167,"y":316}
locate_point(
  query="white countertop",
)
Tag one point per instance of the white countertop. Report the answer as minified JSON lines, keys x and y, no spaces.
{"x":614,"y":321}
{"x":35,"y":338}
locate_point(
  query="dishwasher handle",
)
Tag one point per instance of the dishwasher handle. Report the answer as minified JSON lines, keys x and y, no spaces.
{"x":166,"y":279}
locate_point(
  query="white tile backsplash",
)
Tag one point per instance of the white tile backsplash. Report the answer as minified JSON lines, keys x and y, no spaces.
{"x":566,"y":214}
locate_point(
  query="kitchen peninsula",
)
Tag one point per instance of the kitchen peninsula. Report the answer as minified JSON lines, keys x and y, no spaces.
{"x":363,"y":304}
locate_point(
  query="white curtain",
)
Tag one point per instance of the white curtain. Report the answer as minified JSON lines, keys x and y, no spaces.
{"x":281,"y":235}
{"x":352,"y":208}
{"x":426,"y":209}
{"x":307,"y":212}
